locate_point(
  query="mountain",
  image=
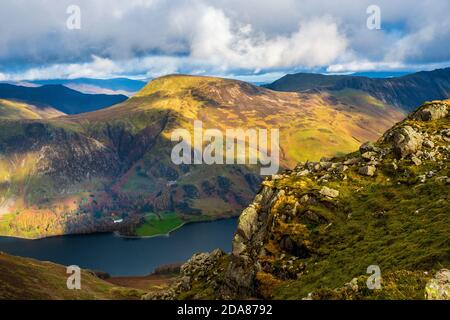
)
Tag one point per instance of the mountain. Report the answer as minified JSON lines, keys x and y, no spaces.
{"x":381,"y":74}
{"x":123,"y":86}
{"x":12,"y":110}
{"x":321,"y":230}
{"x":406,"y":92}
{"x":58,"y":97}
{"x":84,"y":173}
{"x":311,"y":233}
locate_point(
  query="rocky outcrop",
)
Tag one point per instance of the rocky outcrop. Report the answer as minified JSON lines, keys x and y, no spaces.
{"x":248,"y":242}
{"x":328,"y":192}
{"x":432,"y":111}
{"x":367,"y":170}
{"x":200,"y":264}
{"x":438,"y":288}
{"x":414,"y":138}
{"x":274,"y":238}
{"x":405,"y":141}
{"x":201,"y":267}
{"x":306,"y":221}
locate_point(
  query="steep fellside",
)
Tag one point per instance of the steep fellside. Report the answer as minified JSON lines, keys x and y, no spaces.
{"x":312,"y":232}
{"x":28,"y":279}
{"x":406,"y":92}
{"x":12,"y":110}
{"x":111,"y":169}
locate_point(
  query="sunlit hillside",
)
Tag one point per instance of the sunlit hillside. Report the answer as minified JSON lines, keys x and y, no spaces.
{"x":80,"y":173}
{"x":12,"y":110}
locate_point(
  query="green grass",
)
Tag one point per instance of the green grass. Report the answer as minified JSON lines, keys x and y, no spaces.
{"x":357,"y":97}
{"x":158,"y":224}
{"x":397,"y":285}
{"x":29,"y":279}
{"x":396,"y":226}
{"x":319,"y":142}
{"x":138,"y":182}
{"x":4,"y":223}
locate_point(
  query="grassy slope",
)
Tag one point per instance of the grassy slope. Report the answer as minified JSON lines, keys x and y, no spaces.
{"x":12,"y":110}
{"x":22,"y":278}
{"x":392,"y":220}
{"x":393,"y":226}
{"x":340,"y":121}
{"x":316,"y":125}
{"x":311,"y":126}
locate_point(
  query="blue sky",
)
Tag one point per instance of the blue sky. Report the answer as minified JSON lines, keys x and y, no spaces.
{"x":254,"y":40}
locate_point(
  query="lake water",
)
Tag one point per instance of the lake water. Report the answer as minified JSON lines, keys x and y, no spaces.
{"x":124,"y":256}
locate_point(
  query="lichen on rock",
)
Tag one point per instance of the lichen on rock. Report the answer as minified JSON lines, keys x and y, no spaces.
{"x":438,"y":288}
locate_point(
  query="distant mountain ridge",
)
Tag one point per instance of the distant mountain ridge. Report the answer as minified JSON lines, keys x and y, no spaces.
{"x":59,"y":97}
{"x":124,"y":86}
{"x":406,"y":92}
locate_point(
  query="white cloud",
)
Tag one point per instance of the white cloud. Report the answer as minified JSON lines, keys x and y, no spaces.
{"x":422,"y":42}
{"x":98,"y":67}
{"x":217,"y":40}
{"x":365,"y":65}
{"x":144,"y":68}
{"x":223,"y":37}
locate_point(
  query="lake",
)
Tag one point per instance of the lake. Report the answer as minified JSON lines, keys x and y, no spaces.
{"x":124,"y":256}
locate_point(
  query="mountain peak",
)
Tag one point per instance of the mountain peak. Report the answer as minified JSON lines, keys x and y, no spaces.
{"x":175,"y":83}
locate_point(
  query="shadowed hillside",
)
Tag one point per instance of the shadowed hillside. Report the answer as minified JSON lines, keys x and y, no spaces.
{"x":59,"y":97}
{"x":406,"y":92}
{"x":28,"y":279}
{"x":88,"y":85}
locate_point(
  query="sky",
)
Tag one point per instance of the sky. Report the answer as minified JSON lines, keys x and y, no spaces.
{"x":253,"y":40}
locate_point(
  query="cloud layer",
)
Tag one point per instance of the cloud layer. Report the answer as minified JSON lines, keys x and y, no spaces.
{"x":147,"y":38}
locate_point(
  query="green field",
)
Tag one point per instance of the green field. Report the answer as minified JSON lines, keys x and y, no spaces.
{"x":158,"y":224}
